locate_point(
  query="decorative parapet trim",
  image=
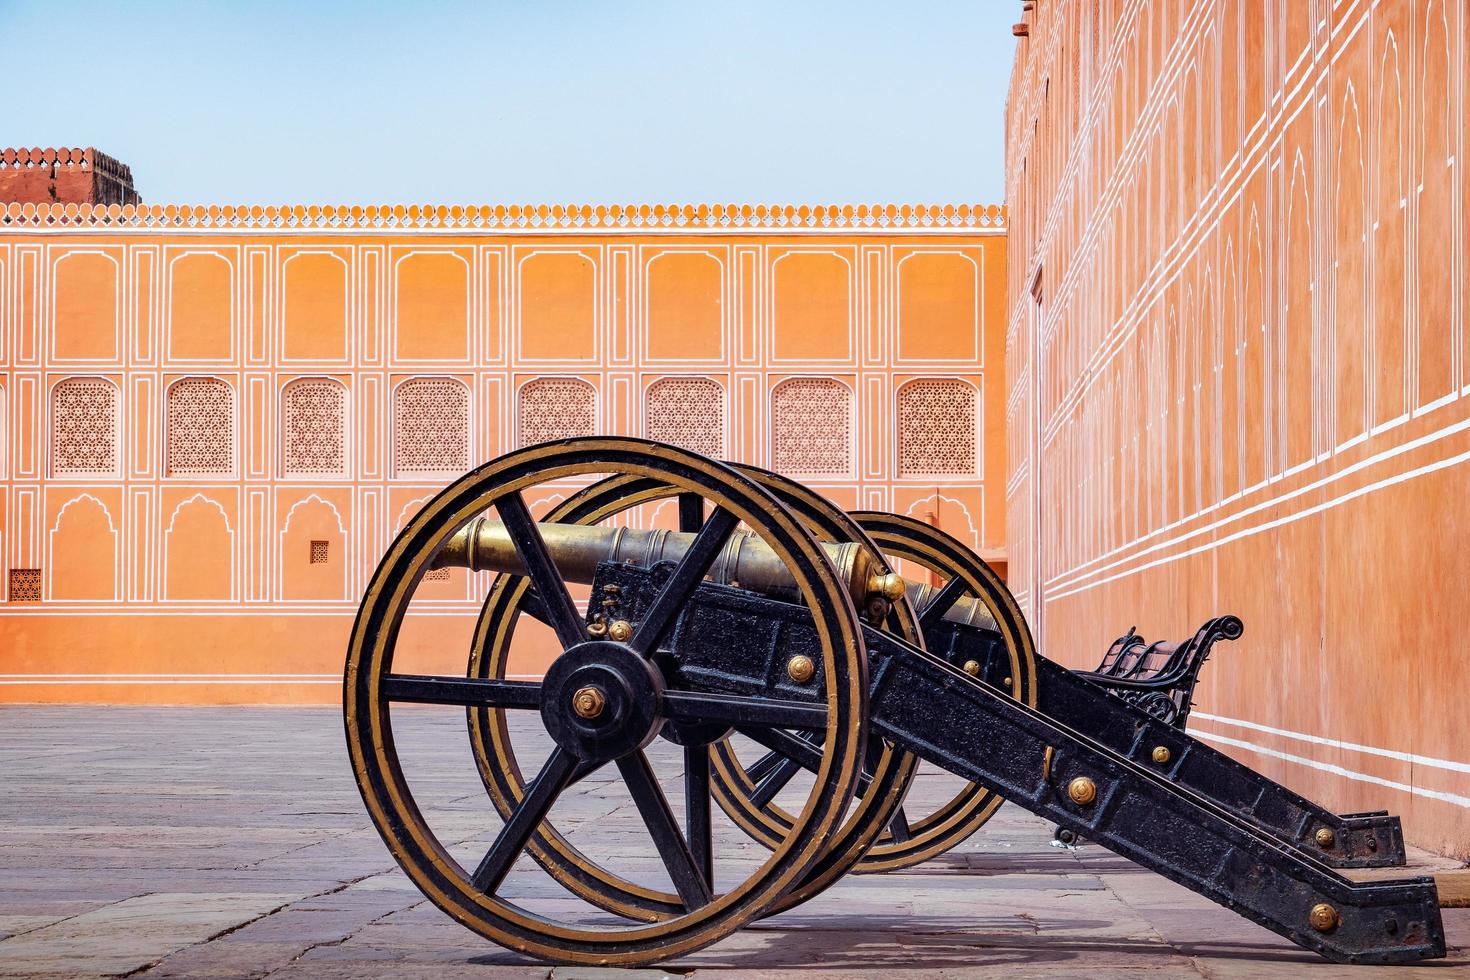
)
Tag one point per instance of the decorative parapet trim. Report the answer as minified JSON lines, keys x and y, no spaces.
{"x":500,"y":216}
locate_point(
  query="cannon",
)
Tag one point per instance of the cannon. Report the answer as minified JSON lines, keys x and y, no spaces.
{"x":755,"y":621}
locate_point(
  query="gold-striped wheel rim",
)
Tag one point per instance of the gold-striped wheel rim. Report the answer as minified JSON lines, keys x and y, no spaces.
{"x":973,"y":806}
{"x":499,"y":768}
{"x":385,"y":790}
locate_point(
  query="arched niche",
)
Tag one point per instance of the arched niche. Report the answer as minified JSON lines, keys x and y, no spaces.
{"x":83,"y":552}
{"x":313,"y":557}
{"x":198,"y":551}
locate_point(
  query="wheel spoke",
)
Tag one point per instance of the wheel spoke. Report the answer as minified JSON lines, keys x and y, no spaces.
{"x":522,"y":823}
{"x":730,"y":709}
{"x":762,"y":767}
{"x":805,"y":754}
{"x":560,"y":608}
{"x":532,"y":606}
{"x":899,"y":826}
{"x":798,"y":750}
{"x":697,"y":818}
{"x":659,"y":819}
{"x":481,"y":692}
{"x":766,"y":789}
{"x":691,"y":512}
{"x":582,"y":771}
{"x":942,"y":602}
{"x":686,"y":578}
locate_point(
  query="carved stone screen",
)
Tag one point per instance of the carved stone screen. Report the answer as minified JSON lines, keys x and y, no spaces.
{"x":25,"y":585}
{"x":811,"y":427}
{"x":84,"y":428}
{"x":201,"y":427}
{"x":936,"y":428}
{"x":556,"y":408}
{"x":688,"y":412}
{"x":313,"y":429}
{"x":431,"y":426}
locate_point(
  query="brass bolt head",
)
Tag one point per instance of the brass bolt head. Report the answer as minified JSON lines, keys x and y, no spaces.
{"x":1006,"y":681}
{"x":1082,"y":790}
{"x":598,"y":629}
{"x":972,"y":667}
{"x":588,"y":702}
{"x":800,"y":668}
{"x":1161,"y":754}
{"x":622,"y":631}
{"x":1323,"y":917}
{"x":1324,"y":837}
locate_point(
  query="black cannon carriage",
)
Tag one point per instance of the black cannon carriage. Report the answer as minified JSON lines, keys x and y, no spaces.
{"x":774,"y":617}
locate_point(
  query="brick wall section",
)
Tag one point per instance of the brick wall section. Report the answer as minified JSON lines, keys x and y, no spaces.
{"x":65,"y":176}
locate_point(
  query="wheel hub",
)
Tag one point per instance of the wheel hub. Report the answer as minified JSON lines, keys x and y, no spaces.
{"x":601,"y":701}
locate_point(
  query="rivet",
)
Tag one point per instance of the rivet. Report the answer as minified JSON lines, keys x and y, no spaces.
{"x":1323,"y":917}
{"x":1082,"y":790}
{"x":1161,"y":754}
{"x":972,"y":667}
{"x":1006,"y":682}
{"x":620,"y":631}
{"x":1324,"y":837}
{"x":800,"y":668}
{"x":588,"y":702}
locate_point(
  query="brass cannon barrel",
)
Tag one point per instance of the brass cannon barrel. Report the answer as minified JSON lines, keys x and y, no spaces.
{"x":744,"y":562}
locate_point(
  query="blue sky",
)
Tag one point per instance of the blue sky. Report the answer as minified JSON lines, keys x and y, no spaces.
{"x":555,"y":102}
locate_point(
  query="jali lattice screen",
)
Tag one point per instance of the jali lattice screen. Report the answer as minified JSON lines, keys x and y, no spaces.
{"x":201,"y":427}
{"x":688,"y":412}
{"x":313,"y":429}
{"x":811,"y":427}
{"x":936,"y":428}
{"x":431,"y":426}
{"x":84,"y":428}
{"x":556,"y":408}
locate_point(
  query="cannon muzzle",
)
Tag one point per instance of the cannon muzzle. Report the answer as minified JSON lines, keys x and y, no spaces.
{"x":744,"y":562}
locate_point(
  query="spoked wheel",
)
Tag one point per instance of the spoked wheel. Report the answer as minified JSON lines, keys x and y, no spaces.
{"x":602,"y":701}
{"x":914,"y":837}
{"x":881,"y":788}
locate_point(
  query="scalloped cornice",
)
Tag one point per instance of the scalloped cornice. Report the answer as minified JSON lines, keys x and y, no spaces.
{"x":723,"y":217}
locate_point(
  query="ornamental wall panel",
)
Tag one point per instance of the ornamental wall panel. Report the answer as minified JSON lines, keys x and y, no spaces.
{"x":314,"y":306}
{"x":1238,"y":371}
{"x":431,"y":308}
{"x":287,"y":390}
{"x":86,"y":304}
{"x":201,"y":306}
{"x":812,"y":305}
{"x":938,"y":299}
{"x":556,"y":304}
{"x":684,"y":305}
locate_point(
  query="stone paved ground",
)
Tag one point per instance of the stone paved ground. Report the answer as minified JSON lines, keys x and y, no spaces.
{"x":231,"y":842}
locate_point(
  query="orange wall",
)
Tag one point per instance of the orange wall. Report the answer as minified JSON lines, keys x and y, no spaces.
{"x":1237,"y":338}
{"x":177,"y":568}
